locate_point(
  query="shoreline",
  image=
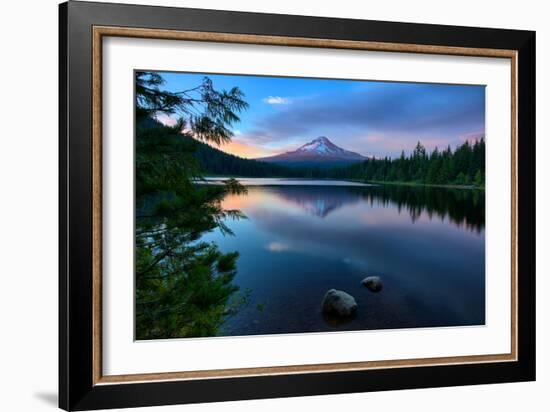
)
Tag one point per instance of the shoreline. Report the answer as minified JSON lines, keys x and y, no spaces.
{"x":365,"y":182}
{"x":417,"y":184}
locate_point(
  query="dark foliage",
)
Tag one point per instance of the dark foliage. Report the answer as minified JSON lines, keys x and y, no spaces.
{"x":183,"y":285}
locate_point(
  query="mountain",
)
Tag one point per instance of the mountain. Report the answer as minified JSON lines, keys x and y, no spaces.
{"x":320,"y":152}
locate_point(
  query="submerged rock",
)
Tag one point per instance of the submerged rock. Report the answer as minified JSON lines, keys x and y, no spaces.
{"x":339,"y":303}
{"x":373,"y":283}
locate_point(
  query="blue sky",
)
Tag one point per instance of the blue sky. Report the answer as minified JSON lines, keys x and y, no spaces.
{"x":372,"y":118}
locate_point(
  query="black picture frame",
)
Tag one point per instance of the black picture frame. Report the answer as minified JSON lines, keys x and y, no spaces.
{"x":77,"y":390}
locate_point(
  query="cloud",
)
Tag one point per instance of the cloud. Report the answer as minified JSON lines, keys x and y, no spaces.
{"x":471,"y":137}
{"x":166,"y":119}
{"x":277,"y":247}
{"x":380,"y":146}
{"x":408,"y":112}
{"x":276,"y":100}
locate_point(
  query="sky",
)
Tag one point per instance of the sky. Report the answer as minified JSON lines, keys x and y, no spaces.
{"x":372,"y":118}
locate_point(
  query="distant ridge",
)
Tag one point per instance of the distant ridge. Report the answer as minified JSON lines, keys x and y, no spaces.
{"x":320,"y":152}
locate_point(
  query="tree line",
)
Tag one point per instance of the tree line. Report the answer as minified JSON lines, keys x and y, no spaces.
{"x":217,"y":162}
{"x":465,"y":166}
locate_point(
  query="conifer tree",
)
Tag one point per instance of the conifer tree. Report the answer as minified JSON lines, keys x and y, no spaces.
{"x":183,"y":286}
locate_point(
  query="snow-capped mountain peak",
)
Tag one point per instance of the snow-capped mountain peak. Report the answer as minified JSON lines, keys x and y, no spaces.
{"x":321,"y":146}
{"x":319,"y":151}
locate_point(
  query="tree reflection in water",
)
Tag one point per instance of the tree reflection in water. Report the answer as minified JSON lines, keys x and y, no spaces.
{"x":461,"y":206}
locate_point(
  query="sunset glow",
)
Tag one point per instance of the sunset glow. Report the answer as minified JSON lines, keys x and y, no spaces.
{"x":245,"y":150}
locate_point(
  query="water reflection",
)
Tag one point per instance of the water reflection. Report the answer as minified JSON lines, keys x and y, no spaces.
{"x":461,"y":206}
{"x":316,"y":200}
{"x":427,"y":244}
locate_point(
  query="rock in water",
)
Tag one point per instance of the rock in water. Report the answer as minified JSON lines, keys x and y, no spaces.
{"x":373,"y":283}
{"x":339,"y":303}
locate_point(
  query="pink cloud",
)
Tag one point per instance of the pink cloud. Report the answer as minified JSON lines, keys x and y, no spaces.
{"x":166,"y":119}
{"x":471,"y":137}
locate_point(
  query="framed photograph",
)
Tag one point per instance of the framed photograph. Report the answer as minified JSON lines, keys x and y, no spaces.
{"x":257,"y":205}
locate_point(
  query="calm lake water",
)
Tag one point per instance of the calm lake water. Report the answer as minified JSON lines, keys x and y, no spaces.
{"x":302,"y":238}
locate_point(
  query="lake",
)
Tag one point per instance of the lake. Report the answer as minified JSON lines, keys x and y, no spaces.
{"x":304,"y":237}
